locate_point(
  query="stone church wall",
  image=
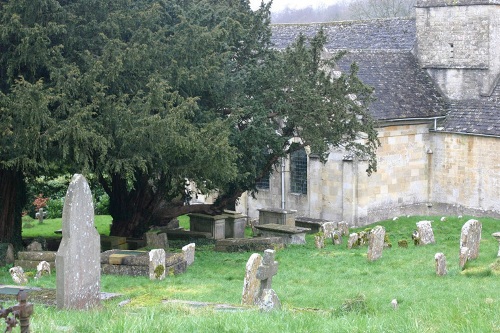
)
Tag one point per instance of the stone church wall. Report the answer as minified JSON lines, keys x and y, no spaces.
{"x":465,"y":174}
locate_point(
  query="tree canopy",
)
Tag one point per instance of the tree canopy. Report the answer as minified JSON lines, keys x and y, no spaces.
{"x":150,"y":94}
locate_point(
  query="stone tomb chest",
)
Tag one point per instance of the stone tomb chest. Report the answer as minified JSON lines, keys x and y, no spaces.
{"x":277,"y":216}
{"x":290,"y":234}
{"x":136,"y":263}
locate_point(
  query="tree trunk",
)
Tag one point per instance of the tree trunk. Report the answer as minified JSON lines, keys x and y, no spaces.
{"x":12,"y":200}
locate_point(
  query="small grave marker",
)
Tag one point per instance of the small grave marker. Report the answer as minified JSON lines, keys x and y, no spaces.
{"x":376,"y":243}
{"x":157,"y":264}
{"x":470,"y":238}
{"x":440,"y":264}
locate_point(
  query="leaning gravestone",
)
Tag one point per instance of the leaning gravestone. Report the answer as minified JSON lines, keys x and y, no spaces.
{"x":251,"y":285}
{"x":78,"y":268}
{"x":353,"y":240}
{"x":425,"y":232}
{"x":470,"y":238}
{"x":328,"y":228}
{"x":258,"y":278}
{"x":376,"y":243}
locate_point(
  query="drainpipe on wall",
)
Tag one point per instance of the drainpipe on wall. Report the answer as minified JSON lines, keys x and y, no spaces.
{"x":283,"y":183}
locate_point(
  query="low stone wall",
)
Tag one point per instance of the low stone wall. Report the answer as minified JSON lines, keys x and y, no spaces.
{"x":249,"y":244}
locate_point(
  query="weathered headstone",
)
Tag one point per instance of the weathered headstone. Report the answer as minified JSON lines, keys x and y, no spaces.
{"x":496,"y":235}
{"x":425,"y":232}
{"x":18,"y":276}
{"x":156,"y":240}
{"x":189,"y":251}
{"x":344,"y":228}
{"x":157,"y":264}
{"x":269,"y":301}
{"x":267,"y":270}
{"x":319,"y":240}
{"x":328,"y":228}
{"x":337,"y":237}
{"x":42,"y":268}
{"x":251,"y":285}
{"x":440,"y":264}
{"x":463,"y":256}
{"x":376,"y":243}
{"x":258,"y":278}
{"x":353,"y":240}
{"x":471,"y":237}
{"x":78,"y":268}
{"x":34,"y":247}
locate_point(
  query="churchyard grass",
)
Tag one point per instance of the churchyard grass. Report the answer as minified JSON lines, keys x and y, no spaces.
{"x":333,"y":289}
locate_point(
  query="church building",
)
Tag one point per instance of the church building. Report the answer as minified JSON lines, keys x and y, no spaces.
{"x":436,"y":83}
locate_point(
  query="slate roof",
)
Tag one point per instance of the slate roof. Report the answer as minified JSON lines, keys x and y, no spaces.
{"x":402,"y":89}
{"x":382,"y":49}
{"x":379,"y":34}
{"x":475,"y":116}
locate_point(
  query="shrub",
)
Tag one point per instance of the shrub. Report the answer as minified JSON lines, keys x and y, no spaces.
{"x":55,"y":208}
{"x":101,"y":206}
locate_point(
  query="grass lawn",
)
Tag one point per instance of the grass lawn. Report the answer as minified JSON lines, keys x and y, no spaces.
{"x":329,"y":290}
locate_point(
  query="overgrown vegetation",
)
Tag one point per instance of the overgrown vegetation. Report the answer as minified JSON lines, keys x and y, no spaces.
{"x":322,"y":290}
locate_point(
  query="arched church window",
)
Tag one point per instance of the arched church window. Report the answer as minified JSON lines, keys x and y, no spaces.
{"x":298,"y":172}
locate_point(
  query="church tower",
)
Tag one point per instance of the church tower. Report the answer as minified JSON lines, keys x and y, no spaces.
{"x":458,"y":42}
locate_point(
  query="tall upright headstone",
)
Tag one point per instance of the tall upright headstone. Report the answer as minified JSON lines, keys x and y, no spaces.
{"x":78,"y":267}
{"x":251,"y":285}
{"x":471,"y":237}
{"x":376,"y":243}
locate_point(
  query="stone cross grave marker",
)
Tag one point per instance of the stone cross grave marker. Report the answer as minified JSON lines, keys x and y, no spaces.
{"x":78,"y":266}
{"x":470,"y":238}
{"x":258,"y":277}
{"x":267,"y":270}
{"x":40,"y":215}
{"x":425,"y":232}
{"x":376,"y":243}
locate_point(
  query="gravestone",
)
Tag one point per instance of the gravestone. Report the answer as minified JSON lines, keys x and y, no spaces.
{"x":344,"y":228}
{"x":353,"y":240}
{"x":496,"y":235}
{"x":337,"y":237}
{"x":156,"y":239}
{"x":157,"y":264}
{"x":376,"y":243}
{"x":34,"y":247}
{"x":40,"y":215}
{"x":251,"y":285}
{"x":471,"y":237}
{"x":42,"y":268}
{"x":258,"y":278}
{"x":267,"y":270}
{"x":463,"y":256}
{"x":425,"y":232}
{"x":269,"y":301}
{"x":18,"y":275}
{"x":440,"y":264}
{"x":328,"y":228}
{"x":6,"y":254}
{"x":78,"y":269}
{"x":189,"y":251}
{"x":319,"y":241}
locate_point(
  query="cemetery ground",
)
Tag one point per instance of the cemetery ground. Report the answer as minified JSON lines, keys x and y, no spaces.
{"x":333,"y":289}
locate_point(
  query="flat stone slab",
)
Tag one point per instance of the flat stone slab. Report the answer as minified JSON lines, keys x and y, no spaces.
{"x":308,"y":222}
{"x":290,"y":234}
{"x":200,"y":305}
{"x":186,"y":234}
{"x":249,"y":244}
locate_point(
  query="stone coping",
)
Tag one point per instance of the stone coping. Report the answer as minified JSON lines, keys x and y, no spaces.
{"x":277,"y":210}
{"x":312,"y":220}
{"x":282,"y":228}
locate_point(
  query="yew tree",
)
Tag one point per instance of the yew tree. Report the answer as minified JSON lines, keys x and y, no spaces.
{"x":152,"y":94}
